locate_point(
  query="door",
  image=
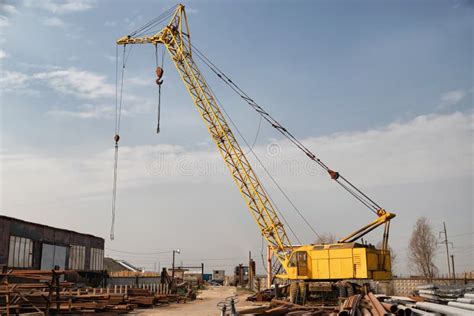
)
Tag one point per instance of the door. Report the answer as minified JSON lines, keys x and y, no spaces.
{"x":302,"y":263}
{"x":53,"y":255}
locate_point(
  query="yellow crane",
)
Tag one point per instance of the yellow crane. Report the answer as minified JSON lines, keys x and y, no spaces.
{"x":346,"y":259}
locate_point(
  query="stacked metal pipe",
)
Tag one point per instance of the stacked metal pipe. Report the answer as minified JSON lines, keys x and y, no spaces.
{"x":407,"y":306}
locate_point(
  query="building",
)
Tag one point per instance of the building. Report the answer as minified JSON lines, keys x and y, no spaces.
{"x":28,"y":245}
{"x":121,"y":272}
{"x":120,"y":266}
{"x":218,"y":276}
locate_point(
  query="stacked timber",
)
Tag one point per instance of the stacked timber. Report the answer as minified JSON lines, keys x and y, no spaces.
{"x":141,"y":297}
{"x":39,"y":291}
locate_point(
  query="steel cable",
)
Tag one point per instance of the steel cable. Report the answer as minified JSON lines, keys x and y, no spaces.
{"x":362,"y":197}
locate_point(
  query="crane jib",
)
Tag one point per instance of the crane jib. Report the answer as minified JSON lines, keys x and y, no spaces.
{"x":176,"y":39}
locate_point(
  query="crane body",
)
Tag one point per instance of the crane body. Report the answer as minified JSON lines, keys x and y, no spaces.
{"x":346,"y":259}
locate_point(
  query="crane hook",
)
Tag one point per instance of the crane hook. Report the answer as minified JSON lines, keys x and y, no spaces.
{"x":159,"y":74}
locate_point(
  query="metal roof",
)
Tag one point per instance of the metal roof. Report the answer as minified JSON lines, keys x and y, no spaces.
{"x":45,"y":226}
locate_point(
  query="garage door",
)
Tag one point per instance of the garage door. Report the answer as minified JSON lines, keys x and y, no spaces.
{"x":52,"y":256}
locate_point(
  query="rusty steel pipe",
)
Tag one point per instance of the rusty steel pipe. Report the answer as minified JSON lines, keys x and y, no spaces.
{"x":379,"y":309}
{"x":365,"y":312}
{"x":392,"y":308}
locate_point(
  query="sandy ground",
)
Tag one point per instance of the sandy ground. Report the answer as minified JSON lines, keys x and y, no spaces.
{"x":205,"y":305}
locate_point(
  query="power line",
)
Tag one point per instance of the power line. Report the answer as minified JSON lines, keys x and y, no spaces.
{"x":460,"y":235}
{"x":139,"y":253}
{"x":346,"y":184}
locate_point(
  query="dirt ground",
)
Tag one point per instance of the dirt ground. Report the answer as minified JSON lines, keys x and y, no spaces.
{"x":204,"y":305}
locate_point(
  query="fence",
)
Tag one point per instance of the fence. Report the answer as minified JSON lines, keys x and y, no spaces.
{"x":156,"y":288}
{"x":405,"y":286}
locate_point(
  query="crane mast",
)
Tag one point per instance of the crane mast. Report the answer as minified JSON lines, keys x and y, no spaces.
{"x":175,"y":37}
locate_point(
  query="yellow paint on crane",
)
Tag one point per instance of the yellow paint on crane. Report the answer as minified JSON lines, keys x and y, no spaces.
{"x":343,"y":260}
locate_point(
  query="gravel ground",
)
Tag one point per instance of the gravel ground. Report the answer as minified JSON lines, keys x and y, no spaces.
{"x":205,"y":305}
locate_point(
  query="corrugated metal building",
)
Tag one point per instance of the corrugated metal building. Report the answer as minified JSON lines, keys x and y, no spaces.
{"x":35,"y":246}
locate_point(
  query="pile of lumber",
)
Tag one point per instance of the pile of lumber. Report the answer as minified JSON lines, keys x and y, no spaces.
{"x":263,"y":296}
{"x":23,"y":291}
{"x":280,"y":307}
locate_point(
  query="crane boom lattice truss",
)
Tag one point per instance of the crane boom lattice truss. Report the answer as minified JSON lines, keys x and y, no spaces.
{"x":175,"y":37}
{"x":344,"y":260}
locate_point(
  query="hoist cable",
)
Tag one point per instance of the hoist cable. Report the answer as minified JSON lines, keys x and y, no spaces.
{"x":256,"y":135}
{"x":114,"y":193}
{"x":120,"y":99}
{"x":256,"y":157}
{"x":275,"y":182}
{"x":159,"y":94}
{"x":116,"y":87}
{"x":263,"y":260}
{"x":118,"y":115}
{"x":153,"y":22}
{"x":245,"y":141}
{"x":352,"y":189}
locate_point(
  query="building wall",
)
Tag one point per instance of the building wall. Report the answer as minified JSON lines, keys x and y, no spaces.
{"x":44,"y":234}
{"x":132,"y":281}
{"x":406,"y":286}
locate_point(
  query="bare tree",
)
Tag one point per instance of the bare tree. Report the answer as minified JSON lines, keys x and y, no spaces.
{"x":422,"y":248}
{"x":325,"y":238}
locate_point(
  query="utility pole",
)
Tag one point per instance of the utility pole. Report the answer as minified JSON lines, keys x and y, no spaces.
{"x":172,"y":271}
{"x":445,"y":241}
{"x":454,"y":270}
{"x":251,"y":271}
{"x":269,"y":267}
{"x":172,"y":267}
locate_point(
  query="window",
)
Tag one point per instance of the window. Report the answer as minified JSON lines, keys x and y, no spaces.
{"x":97,"y":259}
{"x":77,"y":257}
{"x":20,"y":254}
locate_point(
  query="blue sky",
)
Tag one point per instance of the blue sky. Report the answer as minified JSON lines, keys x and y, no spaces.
{"x":381,"y":90}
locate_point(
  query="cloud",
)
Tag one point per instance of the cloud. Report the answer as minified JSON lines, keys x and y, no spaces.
{"x":7,"y":9}
{"x":12,"y":80}
{"x":140,"y":81}
{"x":61,"y":6}
{"x":110,"y":23}
{"x":451,"y":98}
{"x":85,"y":111}
{"x":3,"y":54}
{"x":429,"y":148}
{"x":417,"y":167}
{"x":192,"y":11}
{"x":4,"y":21}
{"x":110,"y":58}
{"x":53,"y":21}
{"x":81,"y":83}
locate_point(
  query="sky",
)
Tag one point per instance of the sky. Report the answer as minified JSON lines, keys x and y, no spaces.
{"x":381,"y":92}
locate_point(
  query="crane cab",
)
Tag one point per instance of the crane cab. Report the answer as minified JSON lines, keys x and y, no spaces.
{"x":338,"y":261}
